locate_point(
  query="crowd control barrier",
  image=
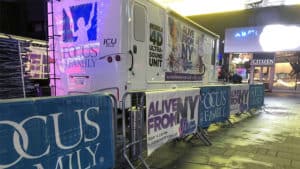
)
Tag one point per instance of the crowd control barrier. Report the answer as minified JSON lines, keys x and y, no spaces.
{"x":170,"y":114}
{"x":58,"y":132}
{"x":239,"y":98}
{"x":214,"y":106}
{"x":80,"y":131}
{"x":154,"y":118}
{"x":256,"y":96}
{"x":133,"y":127}
{"x":157,"y":117}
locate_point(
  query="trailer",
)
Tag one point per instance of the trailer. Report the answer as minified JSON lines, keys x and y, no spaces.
{"x":120,"y":46}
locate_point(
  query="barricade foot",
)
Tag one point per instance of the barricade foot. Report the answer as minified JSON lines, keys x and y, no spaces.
{"x":230,"y":124}
{"x":251,"y":112}
{"x":202,"y":135}
{"x":131,"y":165}
{"x":188,"y":138}
{"x":128,"y":161}
{"x":144,"y":162}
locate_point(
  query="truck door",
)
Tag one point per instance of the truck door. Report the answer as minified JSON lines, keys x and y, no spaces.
{"x":139,"y":48}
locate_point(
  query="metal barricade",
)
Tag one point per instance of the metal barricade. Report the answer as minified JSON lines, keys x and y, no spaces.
{"x":115,"y":110}
{"x":134,"y":128}
{"x":84,"y":122}
{"x":114,"y":116}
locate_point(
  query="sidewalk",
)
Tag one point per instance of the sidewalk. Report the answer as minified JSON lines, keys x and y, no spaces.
{"x":268,"y":140}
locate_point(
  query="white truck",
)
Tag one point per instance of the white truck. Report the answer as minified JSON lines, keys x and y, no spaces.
{"x":126,"y":45}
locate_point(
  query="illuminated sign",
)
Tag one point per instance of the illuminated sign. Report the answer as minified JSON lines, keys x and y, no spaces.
{"x":268,"y":38}
{"x":245,"y":33}
{"x":242,"y":40}
{"x":84,"y":56}
{"x":84,"y":19}
{"x":263,"y":59}
{"x":79,"y":47}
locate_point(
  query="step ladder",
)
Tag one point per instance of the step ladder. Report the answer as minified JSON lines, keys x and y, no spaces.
{"x":51,"y":41}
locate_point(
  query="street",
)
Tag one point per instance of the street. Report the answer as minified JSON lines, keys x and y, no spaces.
{"x":268,"y":139}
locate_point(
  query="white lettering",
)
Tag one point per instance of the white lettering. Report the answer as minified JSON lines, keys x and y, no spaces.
{"x":91,"y":123}
{"x":57,"y":132}
{"x":93,"y":153}
{"x":21,"y":141}
{"x":17,"y":142}
{"x":24,"y":136}
{"x":59,"y":163}
{"x":79,"y":161}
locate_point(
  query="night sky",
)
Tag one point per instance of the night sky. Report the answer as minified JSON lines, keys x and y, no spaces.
{"x":29,"y":18}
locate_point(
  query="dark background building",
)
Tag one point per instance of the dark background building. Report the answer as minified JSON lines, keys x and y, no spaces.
{"x":29,"y":18}
{"x":24,"y":18}
{"x":250,"y":17}
{"x":253,"y":17}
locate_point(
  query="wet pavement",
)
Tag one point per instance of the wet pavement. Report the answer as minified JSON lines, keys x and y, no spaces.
{"x":270,"y":139}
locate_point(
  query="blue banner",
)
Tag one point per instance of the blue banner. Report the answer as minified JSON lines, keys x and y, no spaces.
{"x":74,"y":132}
{"x":214,"y":106}
{"x":256,"y":95}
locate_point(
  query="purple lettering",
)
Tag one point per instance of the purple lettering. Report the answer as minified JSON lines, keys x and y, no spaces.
{"x":161,"y":122}
{"x":157,"y":123}
{"x":167,"y":106}
{"x":174,"y":104}
{"x":150,"y":124}
{"x":151,"y":109}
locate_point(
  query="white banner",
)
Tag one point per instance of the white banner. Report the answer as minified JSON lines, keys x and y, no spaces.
{"x":170,"y":114}
{"x":239,"y":98}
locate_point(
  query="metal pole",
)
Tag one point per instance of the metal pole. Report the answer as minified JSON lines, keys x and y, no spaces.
{"x":296,"y":82}
{"x":114,"y":125}
{"x":271,"y":80}
{"x":21,"y":67}
{"x":252,"y":74}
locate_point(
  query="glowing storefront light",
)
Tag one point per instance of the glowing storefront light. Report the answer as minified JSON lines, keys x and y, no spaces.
{"x":291,"y":2}
{"x":239,"y":60}
{"x":286,"y":84}
{"x":194,"y":7}
{"x":279,"y":38}
{"x":197,"y":7}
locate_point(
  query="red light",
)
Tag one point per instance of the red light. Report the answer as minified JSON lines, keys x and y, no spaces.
{"x":109,"y":59}
{"x":118,"y":58}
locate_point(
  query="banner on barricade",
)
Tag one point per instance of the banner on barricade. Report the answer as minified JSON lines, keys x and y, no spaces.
{"x":256,"y":95}
{"x":56,"y":133}
{"x":239,"y":98}
{"x":170,"y":114}
{"x":214,"y":106}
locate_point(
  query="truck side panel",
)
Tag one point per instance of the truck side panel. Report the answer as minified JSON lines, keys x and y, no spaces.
{"x":87,"y":45}
{"x":125,"y":45}
{"x":180,"y":54}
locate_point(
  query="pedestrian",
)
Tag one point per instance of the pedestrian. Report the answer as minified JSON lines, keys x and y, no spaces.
{"x":236,"y":78}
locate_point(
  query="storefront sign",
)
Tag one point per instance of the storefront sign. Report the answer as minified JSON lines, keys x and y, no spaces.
{"x":263,"y":59}
{"x":56,"y":133}
{"x":214,"y":106}
{"x":170,"y":114}
{"x":239,"y":98}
